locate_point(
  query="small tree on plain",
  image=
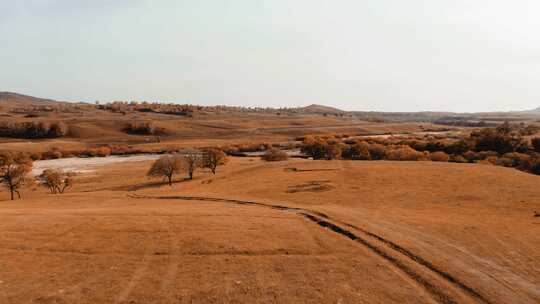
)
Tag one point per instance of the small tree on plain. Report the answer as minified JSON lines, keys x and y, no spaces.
{"x":165,"y":167}
{"x":14,"y":169}
{"x":192,"y":160}
{"x":212,"y":158}
{"x":56,"y":180}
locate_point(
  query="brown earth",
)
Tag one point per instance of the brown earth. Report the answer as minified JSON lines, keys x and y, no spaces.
{"x":298,"y":231}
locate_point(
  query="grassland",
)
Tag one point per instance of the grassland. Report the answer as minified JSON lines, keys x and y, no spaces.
{"x":294,"y":231}
{"x":326,"y":231}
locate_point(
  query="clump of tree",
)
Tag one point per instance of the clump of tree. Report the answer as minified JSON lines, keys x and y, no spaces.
{"x":319,"y":148}
{"x":33,"y":130}
{"x":56,"y":180}
{"x":166,"y":167}
{"x":14,"y":169}
{"x":274,"y":154}
{"x":143,"y":128}
{"x":212,"y":158}
{"x":405,"y":153}
{"x":358,"y":151}
{"x":499,"y":140}
{"x":504,"y":145}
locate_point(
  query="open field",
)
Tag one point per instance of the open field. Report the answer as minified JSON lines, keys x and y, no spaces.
{"x":293,"y":231}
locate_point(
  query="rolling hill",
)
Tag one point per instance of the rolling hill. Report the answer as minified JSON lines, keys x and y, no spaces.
{"x":10,"y":100}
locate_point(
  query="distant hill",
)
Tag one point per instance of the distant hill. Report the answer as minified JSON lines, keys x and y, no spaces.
{"x":10,"y":100}
{"x":314,"y":108}
{"x":537,"y":110}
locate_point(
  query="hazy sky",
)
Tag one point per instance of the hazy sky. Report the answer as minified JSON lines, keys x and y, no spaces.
{"x":391,"y":55}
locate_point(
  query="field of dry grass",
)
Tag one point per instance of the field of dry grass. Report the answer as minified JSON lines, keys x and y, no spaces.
{"x":297,"y":231}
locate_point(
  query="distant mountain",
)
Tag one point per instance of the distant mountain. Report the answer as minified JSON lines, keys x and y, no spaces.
{"x":315,"y":108}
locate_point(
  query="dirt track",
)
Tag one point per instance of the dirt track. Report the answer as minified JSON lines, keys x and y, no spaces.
{"x":395,"y":257}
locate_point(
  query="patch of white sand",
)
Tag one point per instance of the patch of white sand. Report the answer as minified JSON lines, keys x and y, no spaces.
{"x":85,"y":165}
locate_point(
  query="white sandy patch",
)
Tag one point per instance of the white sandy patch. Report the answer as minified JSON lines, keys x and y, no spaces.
{"x":85,"y":165}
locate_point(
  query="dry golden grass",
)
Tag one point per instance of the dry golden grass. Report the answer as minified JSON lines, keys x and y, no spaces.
{"x":120,"y":237}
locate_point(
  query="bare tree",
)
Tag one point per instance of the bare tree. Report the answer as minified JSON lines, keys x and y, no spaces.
{"x":212,"y":158}
{"x":192,"y":160}
{"x":56,"y":180}
{"x":14,"y":169}
{"x":166,"y":166}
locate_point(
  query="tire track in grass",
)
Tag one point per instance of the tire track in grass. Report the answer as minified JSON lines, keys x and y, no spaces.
{"x":395,"y":258}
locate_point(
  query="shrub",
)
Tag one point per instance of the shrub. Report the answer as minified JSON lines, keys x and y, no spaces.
{"x":458,"y":159}
{"x":55,"y":153}
{"x":253,"y":147}
{"x":275,"y":155}
{"x":471,"y":156}
{"x":491,"y":160}
{"x":536,"y":144}
{"x":502,"y":161}
{"x":434,"y":146}
{"x":56,"y":180}
{"x":334,"y":151}
{"x":459,"y":147}
{"x":102,"y":151}
{"x":439,"y":156}
{"x":318,"y":148}
{"x":404,"y":153}
{"x":315,"y":147}
{"x":515,"y":159}
{"x":535,"y":166}
{"x":357,"y":151}
{"x":143,"y":128}
{"x":377,"y":151}
{"x":497,"y":140}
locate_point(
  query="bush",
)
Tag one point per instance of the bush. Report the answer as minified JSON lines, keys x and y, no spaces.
{"x":458,"y":159}
{"x":55,"y":153}
{"x":535,"y":166}
{"x":143,"y":128}
{"x":377,"y":151}
{"x":33,"y":130}
{"x":439,"y":156}
{"x":497,"y":140}
{"x":318,"y":148}
{"x":404,"y":153}
{"x":56,"y":180}
{"x":102,"y":151}
{"x":536,"y":144}
{"x":459,"y":147}
{"x":315,"y":147}
{"x":357,"y":151}
{"x":515,"y":159}
{"x":275,"y":155}
{"x":471,"y":156}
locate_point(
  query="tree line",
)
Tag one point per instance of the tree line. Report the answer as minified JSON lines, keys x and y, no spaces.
{"x":33,"y":130}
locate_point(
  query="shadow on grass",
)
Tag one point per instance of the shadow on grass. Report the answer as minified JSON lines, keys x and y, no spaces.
{"x":148,"y":185}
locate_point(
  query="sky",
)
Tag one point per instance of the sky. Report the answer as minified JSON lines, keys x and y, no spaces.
{"x":365,"y":55}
